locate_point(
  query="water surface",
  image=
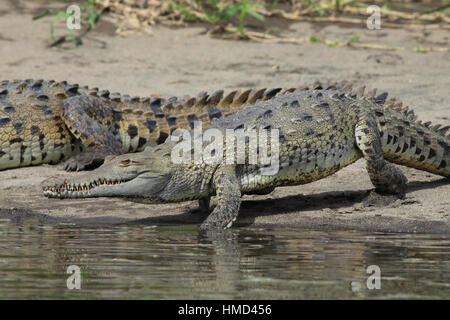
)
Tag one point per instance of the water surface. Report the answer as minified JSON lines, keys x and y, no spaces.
{"x":178,"y":262}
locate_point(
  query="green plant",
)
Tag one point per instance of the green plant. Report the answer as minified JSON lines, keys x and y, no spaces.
{"x":88,"y":13}
{"x":189,"y":14}
{"x":420,"y":49}
{"x":244,"y":7}
{"x":214,"y":13}
{"x":314,"y":5}
{"x":333,"y":44}
{"x":354,"y":38}
{"x":385,"y":8}
{"x":337,"y":5}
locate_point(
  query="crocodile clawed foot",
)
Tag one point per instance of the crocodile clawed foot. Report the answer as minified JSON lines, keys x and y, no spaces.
{"x":215,"y":222}
{"x":88,"y":160}
{"x":79,"y":163}
{"x":391,"y":180}
{"x":213,"y":225}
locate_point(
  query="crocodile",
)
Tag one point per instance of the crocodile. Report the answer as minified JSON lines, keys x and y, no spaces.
{"x":319,"y":132}
{"x":50,"y":122}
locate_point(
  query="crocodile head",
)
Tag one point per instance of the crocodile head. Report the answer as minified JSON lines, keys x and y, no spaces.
{"x":148,"y":176}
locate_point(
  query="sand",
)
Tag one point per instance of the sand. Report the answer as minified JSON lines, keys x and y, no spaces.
{"x":185,"y":61}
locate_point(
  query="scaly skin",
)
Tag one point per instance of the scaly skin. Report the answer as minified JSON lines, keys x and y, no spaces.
{"x":49,"y":122}
{"x":320,"y":132}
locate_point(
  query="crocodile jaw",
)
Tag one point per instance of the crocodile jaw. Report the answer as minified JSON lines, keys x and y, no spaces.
{"x":82,"y":189}
{"x":137,"y":185}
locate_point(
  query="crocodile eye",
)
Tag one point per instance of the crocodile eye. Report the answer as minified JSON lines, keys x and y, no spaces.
{"x":128,"y":162}
{"x":125,"y":163}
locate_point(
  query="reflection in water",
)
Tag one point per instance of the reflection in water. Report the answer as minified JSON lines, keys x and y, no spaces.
{"x":176,"y":262}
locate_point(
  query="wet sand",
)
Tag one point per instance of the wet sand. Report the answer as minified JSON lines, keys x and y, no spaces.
{"x":185,"y":61}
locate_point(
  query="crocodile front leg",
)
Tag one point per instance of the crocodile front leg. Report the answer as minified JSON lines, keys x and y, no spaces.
{"x":228,"y":191}
{"x":80,"y":114}
{"x":385,"y":176}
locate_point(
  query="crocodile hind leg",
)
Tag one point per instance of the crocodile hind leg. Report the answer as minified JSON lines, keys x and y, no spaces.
{"x":385,"y":176}
{"x":80,"y":114}
{"x":228,"y":193}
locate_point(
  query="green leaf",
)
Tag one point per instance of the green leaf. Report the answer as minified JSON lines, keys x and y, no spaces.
{"x":230,"y":10}
{"x":214,"y":3}
{"x":86,"y":4}
{"x":255,"y":5}
{"x":269,"y":30}
{"x":72,"y":35}
{"x":209,"y":17}
{"x":183,"y":9}
{"x":333,"y":44}
{"x":93,"y":19}
{"x":256,"y":15}
{"x":385,"y":8}
{"x":60,"y":15}
{"x":44,"y":14}
{"x":355,"y":38}
{"x":420,"y":49}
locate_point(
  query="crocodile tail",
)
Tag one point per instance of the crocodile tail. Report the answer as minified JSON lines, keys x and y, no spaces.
{"x":421,"y":148}
{"x":409,"y":142}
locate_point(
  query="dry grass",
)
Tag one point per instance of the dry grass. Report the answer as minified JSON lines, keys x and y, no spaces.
{"x":228,"y":18}
{"x":140,"y":15}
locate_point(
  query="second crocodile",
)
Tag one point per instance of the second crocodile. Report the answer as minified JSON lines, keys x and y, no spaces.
{"x":49,"y":121}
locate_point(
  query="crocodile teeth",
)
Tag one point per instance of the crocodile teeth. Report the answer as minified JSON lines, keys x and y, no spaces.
{"x":67,"y":189}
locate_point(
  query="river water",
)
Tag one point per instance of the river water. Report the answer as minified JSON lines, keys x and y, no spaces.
{"x":177,"y":262}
